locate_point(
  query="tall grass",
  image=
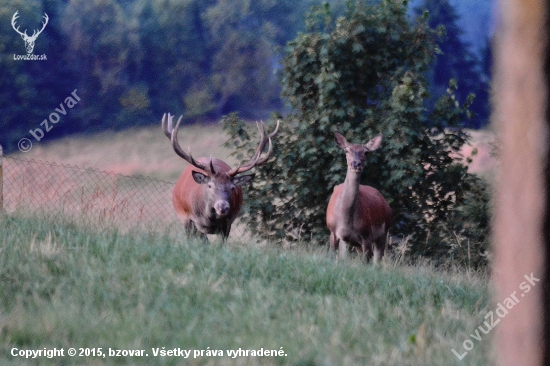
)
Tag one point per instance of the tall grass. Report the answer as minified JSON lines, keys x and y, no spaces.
{"x":63,"y":285}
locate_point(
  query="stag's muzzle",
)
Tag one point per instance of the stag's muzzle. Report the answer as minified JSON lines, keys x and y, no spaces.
{"x":222,"y":208}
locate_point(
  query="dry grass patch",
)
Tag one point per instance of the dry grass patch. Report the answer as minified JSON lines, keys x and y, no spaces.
{"x":139,"y":151}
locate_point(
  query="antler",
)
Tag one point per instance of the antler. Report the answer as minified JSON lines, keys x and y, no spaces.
{"x":43,"y":26}
{"x":255,"y":160}
{"x":172,"y":134}
{"x":13,"y":19}
{"x":24,"y":34}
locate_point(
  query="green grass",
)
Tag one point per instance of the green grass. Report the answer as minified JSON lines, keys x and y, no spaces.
{"x":65,"y":286}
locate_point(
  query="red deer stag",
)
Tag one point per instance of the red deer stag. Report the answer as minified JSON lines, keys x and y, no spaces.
{"x":358,"y":215}
{"x":208,"y":195}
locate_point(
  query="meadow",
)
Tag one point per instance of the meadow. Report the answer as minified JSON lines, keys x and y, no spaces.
{"x":138,"y":151}
{"x":64,"y":285}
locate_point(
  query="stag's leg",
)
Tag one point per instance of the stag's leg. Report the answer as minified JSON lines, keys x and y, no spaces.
{"x":192,"y":232}
{"x":379,"y":248}
{"x":225,"y":233}
{"x":188,"y":225}
{"x":190,"y":228}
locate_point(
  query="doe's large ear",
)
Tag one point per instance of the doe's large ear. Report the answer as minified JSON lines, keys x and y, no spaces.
{"x":200,"y":178}
{"x":374,"y":143}
{"x":340,"y":140}
{"x":241,"y":180}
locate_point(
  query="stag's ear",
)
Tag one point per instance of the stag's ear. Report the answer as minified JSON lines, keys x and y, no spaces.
{"x":374,"y":143}
{"x":200,"y":178}
{"x":241,"y":180}
{"x":340,"y":140}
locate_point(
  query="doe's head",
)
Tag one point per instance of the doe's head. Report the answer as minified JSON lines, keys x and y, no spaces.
{"x":356,"y":153}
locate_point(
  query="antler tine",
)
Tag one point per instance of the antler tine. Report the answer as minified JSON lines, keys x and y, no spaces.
{"x":13,"y":19}
{"x":36,"y":32}
{"x":276,"y":130}
{"x":263,"y":141}
{"x":195,"y":163}
{"x":172,"y":133}
{"x":167,"y":129}
{"x":212,"y":170}
{"x":266,"y":156}
{"x":46,"y":18}
{"x":255,"y":160}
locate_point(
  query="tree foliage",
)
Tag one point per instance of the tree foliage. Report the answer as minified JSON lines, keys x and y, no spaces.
{"x":131,"y":61}
{"x":456,"y":61}
{"x":363,"y":74}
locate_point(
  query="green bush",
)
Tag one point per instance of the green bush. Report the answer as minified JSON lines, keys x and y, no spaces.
{"x":362,"y":75}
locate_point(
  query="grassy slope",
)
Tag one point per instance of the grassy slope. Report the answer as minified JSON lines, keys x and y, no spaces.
{"x":61,"y":286}
{"x":64,"y":286}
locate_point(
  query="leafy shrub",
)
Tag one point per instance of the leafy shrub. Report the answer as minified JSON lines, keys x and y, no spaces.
{"x":362,"y":75}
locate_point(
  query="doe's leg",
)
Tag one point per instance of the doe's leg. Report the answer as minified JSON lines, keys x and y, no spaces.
{"x":343,"y":249}
{"x":333,"y":245}
{"x":366,"y":248}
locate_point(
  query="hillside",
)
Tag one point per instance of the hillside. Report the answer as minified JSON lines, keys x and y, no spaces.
{"x":64,"y":286}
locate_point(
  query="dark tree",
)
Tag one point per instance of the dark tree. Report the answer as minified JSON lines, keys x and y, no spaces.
{"x":455,"y":61}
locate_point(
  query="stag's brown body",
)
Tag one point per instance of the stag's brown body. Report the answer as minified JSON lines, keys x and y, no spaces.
{"x":358,"y":215}
{"x":208,"y":197}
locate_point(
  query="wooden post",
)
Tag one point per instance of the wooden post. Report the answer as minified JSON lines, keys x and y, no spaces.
{"x":519,"y":246}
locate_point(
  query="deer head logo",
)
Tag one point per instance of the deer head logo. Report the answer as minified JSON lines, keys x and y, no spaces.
{"x":29,"y":40}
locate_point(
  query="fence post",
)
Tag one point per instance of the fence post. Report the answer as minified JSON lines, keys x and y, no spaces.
{"x":520,"y":240}
{"x":1,"y":181}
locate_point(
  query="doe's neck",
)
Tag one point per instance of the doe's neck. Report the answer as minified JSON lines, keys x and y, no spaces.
{"x":350,"y":191}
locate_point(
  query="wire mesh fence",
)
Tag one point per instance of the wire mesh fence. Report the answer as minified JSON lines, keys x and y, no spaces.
{"x":91,"y":196}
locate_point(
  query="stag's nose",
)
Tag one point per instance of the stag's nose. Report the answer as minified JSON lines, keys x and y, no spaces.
{"x":222,"y":208}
